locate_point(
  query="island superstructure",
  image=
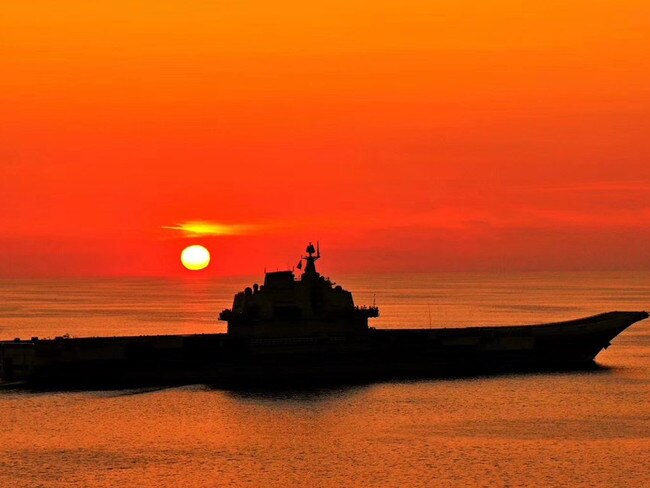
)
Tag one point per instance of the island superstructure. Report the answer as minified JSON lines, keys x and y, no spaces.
{"x":288,"y":307}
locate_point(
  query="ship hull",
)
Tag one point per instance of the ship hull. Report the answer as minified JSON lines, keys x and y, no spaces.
{"x":377,"y":354}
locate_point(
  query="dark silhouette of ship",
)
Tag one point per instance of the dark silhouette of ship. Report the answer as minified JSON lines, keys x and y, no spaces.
{"x":304,"y":331}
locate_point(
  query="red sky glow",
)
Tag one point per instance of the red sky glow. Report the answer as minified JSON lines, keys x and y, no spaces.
{"x":459,"y":135}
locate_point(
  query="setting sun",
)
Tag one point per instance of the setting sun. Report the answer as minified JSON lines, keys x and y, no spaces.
{"x":195,"y":257}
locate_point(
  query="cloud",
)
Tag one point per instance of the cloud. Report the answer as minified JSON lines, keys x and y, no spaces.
{"x":443,"y":218}
{"x":624,"y":186}
{"x":200,"y":228}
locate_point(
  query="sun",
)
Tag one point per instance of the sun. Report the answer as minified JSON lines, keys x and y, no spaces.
{"x":195,"y":257}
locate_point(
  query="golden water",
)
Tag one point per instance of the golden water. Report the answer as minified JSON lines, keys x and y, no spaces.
{"x":568,"y":429}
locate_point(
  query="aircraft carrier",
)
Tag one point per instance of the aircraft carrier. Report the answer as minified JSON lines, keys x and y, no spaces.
{"x":306,"y":330}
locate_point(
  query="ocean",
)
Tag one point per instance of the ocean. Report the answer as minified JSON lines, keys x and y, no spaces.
{"x":587,"y":429}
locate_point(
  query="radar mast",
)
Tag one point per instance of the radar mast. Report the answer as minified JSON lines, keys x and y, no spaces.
{"x":310,"y":260}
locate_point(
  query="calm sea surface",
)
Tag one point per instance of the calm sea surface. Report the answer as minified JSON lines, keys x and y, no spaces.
{"x":569,"y":429}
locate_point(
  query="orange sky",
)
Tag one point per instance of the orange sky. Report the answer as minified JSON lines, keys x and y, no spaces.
{"x":408,"y":135}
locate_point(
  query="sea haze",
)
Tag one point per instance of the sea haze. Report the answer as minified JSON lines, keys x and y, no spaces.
{"x":563,"y":429}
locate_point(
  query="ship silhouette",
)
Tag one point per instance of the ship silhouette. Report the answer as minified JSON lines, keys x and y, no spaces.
{"x":307,"y":330}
